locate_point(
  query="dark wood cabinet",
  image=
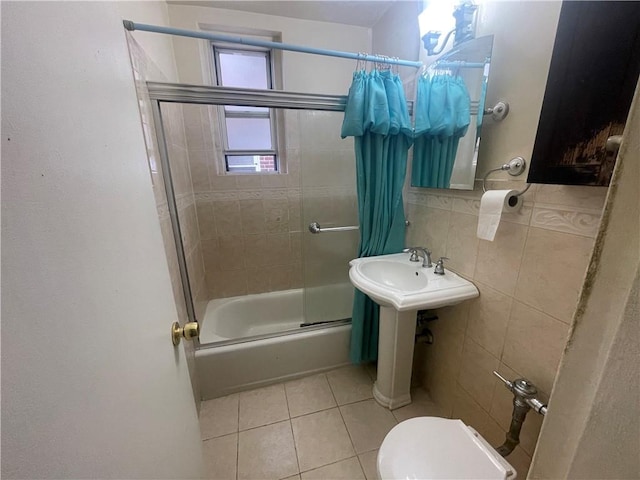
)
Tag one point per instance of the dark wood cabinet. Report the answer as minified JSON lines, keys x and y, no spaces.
{"x":592,"y":77}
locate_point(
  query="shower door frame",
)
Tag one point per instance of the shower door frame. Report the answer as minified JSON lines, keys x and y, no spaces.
{"x":160,"y":92}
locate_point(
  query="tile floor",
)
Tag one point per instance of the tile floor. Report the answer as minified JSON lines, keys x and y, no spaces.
{"x":326,"y":426}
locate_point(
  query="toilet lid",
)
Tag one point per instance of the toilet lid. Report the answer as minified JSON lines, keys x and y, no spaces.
{"x":439,"y":448}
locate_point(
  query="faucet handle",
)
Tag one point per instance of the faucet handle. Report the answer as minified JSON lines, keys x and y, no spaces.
{"x":506,"y":382}
{"x":414,"y":253}
{"x":417,"y":252}
{"x":439,"y":270}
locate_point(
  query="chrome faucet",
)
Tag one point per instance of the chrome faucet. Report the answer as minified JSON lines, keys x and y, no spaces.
{"x":417,"y":252}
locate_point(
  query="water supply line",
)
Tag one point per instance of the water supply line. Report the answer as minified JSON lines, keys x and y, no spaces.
{"x":524,"y":399}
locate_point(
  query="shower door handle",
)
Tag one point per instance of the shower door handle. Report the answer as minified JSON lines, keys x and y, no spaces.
{"x":315,"y":228}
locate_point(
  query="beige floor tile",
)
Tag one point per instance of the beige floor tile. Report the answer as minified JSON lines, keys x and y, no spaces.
{"x":372,"y":370}
{"x":321,"y":438}
{"x":293,"y":477}
{"x":220,"y":457}
{"x":350,"y":384}
{"x":367,"y":423}
{"x":348,"y":469}
{"x":369,"y":463}
{"x":421,"y":406}
{"x":262,"y":407}
{"x":219,"y":416}
{"x":309,"y":395}
{"x":267,"y":452}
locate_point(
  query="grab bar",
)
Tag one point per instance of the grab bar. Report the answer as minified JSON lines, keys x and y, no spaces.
{"x":314,"y":227}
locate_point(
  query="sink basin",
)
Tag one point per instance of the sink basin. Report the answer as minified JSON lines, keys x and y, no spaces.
{"x":394,"y":281}
{"x":394,"y":275}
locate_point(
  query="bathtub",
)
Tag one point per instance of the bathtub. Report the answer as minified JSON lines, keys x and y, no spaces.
{"x":255,"y":340}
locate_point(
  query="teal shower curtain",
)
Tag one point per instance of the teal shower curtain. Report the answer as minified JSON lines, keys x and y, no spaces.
{"x":442,"y":116}
{"x":376,"y":115}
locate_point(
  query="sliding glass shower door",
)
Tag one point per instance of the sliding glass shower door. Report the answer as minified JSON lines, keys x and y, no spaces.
{"x":243,"y":237}
{"x":329,"y":208}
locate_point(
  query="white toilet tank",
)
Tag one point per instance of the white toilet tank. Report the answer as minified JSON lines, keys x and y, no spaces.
{"x":439,"y":448}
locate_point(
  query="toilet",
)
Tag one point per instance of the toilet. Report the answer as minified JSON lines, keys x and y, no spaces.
{"x":439,"y":448}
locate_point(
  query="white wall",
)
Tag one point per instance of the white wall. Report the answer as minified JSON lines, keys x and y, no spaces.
{"x":397,"y":34}
{"x":524,"y":34}
{"x":301,"y":72}
{"x":91,"y":385}
{"x":157,"y":47}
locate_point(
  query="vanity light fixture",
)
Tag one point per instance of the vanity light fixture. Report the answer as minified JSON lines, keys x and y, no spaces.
{"x":463,"y":31}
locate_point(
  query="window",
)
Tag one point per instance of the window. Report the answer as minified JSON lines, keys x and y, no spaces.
{"x":248,"y":133}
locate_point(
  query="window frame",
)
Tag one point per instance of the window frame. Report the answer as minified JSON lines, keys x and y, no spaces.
{"x":223,"y":113}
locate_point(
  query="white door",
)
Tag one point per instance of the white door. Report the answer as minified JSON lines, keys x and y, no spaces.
{"x":91,"y":384}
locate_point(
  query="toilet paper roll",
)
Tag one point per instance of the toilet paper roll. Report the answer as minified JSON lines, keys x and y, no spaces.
{"x":492,"y":204}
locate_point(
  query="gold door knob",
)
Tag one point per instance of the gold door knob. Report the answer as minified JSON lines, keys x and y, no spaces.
{"x":189,"y":331}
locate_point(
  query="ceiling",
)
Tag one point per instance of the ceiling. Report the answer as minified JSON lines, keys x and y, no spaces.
{"x":362,"y":13}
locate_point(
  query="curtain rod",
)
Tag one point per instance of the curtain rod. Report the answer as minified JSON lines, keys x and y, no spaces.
{"x":131,"y":26}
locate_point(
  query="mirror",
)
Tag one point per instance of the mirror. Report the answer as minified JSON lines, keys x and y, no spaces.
{"x":469,"y":60}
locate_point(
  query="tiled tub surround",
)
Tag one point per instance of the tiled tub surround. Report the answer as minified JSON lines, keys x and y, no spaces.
{"x":253,"y":221}
{"x":246,"y":222}
{"x":253,"y":239}
{"x":174,"y":130}
{"x":529,"y":280}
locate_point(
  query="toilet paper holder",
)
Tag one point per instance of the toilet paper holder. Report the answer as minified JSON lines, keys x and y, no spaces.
{"x":514,"y":167}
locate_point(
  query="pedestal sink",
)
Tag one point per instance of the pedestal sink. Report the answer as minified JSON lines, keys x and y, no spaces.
{"x":401,"y":288}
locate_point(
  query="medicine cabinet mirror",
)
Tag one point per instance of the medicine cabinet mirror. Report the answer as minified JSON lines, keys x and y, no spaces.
{"x":470,"y":60}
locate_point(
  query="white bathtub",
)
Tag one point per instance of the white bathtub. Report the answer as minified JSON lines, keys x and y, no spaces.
{"x":231,"y":359}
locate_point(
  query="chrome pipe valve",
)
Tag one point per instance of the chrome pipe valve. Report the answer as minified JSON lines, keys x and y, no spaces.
{"x":526,"y":391}
{"x":524,"y":399}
